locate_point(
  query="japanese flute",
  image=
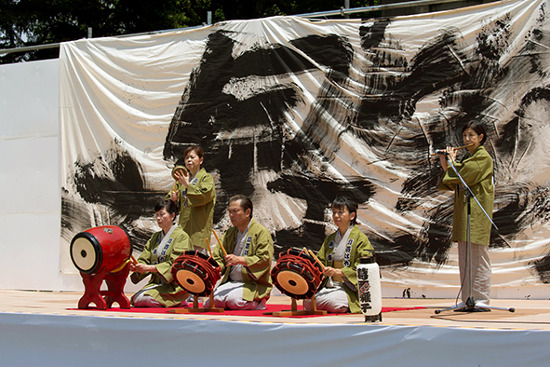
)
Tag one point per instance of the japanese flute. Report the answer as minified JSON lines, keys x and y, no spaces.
{"x":442,"y":151}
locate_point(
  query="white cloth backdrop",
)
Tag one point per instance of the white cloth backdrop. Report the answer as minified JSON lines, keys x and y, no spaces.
{"x":293,"y":112}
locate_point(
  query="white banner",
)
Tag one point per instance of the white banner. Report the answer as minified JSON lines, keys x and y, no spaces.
{"x":293,"y":112}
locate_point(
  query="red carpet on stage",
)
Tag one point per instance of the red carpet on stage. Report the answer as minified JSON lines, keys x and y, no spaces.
{"x":269,"y":308}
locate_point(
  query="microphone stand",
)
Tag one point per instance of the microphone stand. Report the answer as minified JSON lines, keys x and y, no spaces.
{"x":470,"y":305}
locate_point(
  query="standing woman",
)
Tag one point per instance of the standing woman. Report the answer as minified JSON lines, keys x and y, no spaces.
{"x":195,"y":193}
{"x":340,"y":253}
{"x":476,"y":169}
{"x":157,"y":259}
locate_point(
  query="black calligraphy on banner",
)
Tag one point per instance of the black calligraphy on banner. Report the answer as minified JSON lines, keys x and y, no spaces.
{"x":287,"y":109}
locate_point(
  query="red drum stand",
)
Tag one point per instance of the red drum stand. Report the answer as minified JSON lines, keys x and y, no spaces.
{"x":114,"y":293}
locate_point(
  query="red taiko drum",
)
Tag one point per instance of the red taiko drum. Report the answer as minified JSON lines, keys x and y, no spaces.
{"x":297,"y":274}
{"x":196,"y":272}
{"x":98,"y":247}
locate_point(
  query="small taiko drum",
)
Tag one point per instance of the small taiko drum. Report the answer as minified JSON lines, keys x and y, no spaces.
{"x":98,"y":247}
{"x":196,"y":272}
{"x":297,"y":274}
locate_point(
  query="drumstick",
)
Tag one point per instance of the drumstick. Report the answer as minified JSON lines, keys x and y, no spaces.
{"x":316,"y":259}
{"x":208,"y":247}
{"x":131,"y":259}
{"x":219,"y":242}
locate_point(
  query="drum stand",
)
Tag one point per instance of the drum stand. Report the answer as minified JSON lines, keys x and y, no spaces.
{"x":197,"y":309}
{"x":470,"y":305}
{"x":105,"y":299}
{"x":295,"y":312}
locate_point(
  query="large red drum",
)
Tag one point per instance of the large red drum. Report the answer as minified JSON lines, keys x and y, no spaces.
{"x":98,"y":247}
{"x":297,"y":274}
{"x":196,"y":272}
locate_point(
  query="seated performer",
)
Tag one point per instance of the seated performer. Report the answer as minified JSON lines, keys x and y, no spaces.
{"x":246,"y":280}
{"x":340,"y":253}
{"x":156,"y":260}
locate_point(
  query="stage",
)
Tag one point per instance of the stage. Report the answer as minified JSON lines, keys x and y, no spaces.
{"x":46,"y":328}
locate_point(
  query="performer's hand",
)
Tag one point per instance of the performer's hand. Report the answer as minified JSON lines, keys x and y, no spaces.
{"x":174,"y":196}
{"x":182,"y":176}
{"x":143,"y":268}
{"x":330,"y":271}
{"x":231,"y":260}
{"x":451,"y":151}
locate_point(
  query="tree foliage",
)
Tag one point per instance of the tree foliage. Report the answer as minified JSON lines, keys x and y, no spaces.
{"x":39,"y":22}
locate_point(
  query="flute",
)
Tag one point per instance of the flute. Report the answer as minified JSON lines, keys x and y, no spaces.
{"x":444,"y":151}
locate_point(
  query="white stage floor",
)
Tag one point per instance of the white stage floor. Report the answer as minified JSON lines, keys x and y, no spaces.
{"x":45,"y":328}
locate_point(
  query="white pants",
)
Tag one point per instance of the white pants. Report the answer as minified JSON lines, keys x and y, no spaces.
{"x":329,"y":299}
{"x":481,"y":272}
{"x":141,"y":299}
{"x":230,"y":296}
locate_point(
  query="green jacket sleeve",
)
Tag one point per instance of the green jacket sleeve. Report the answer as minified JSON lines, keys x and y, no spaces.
{"x":472,"y":170}
{"x":259,"y":262}
{"x":203,"y":192}
{"x":144,"y":258}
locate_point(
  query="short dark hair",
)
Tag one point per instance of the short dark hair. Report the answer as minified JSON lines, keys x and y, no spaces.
{"x":194,"y":148}
{"x":342,"y":201}
{"x":245,"y":202}
{"x":478,"y":127}
{"x":170,"y":206}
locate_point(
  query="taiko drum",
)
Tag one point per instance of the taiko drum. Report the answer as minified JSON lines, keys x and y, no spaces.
{"x":196,"y":272}
{"x":98,"y":247}
{"x":297,"y":274}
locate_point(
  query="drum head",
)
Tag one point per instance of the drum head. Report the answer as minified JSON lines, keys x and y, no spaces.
{"x":85,"y":253}
{"x":191,"y":281}
{"x":292,"y":282}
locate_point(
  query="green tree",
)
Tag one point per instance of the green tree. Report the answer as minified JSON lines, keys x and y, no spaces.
{"x":40,"y":22}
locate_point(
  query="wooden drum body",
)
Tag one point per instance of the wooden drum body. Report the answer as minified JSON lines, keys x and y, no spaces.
{"x":297,"y":274}
{"x":101,"y":247}
{"x":102,"y":254}
{"x":196,"y":272}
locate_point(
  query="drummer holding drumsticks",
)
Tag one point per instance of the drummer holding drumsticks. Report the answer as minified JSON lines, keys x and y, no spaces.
{"x":195,"y":193}
{"x":340,"y":254}
{"x":157,"y":259}
{"x":244,"y":254}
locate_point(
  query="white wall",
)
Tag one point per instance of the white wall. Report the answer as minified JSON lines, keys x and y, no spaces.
{"x":30,"y":178}
{"x":30,"y":196}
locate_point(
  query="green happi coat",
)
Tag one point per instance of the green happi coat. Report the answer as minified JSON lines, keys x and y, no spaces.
{"x":477,"y":172}
{"x":169,"y":293}
{"x":258,"y":253}
{"x":360,"y":247}
{"x":197,"y":207}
